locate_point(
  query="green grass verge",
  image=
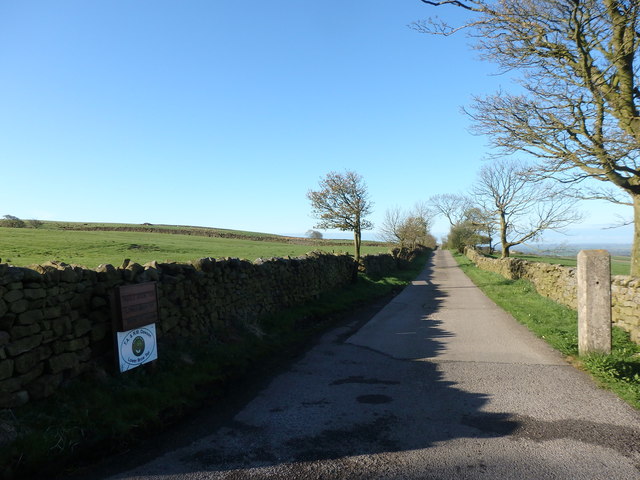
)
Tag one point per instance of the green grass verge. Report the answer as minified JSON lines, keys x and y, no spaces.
{"x":92,"y":415}
{"x":558,"y":325}
{"x":28,"y":246}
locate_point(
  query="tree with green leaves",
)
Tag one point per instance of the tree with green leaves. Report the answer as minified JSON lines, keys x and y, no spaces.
{"x":12,"y":221}
{"x":579,"y":113}
{"x":314,"y":234}
{"x":486,"y":226}
{"x":342,"y":203}
{"x":463,"y":234}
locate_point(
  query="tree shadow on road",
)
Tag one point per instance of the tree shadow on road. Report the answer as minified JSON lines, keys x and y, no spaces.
{"x":350,"y":399}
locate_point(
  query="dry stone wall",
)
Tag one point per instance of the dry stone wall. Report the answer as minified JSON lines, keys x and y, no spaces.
{"x":378,"y":265}
{"x":559,"y":283}
{"x":625,"y":299}
{"x":383,"y":264}
{"x":55,"y":319}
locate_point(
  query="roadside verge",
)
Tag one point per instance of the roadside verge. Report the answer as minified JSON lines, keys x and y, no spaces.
{"x":558,"y":326}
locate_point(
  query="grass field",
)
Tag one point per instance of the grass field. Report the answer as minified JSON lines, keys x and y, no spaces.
{"x":27,"y":246}
{"x":619,"y":265}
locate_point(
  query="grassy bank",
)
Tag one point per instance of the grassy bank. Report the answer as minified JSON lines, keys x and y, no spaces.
{"x":558,"y":325}
{"x":94,"y":416}
{"x":27,"y":246}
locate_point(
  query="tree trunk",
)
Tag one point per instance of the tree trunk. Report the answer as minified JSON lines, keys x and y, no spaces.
{"x":503,"y":236}
{"x":356,"y":243}
{"x":635,"y":250}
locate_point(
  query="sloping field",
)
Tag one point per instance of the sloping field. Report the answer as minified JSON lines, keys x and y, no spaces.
{"x":92,"y":244}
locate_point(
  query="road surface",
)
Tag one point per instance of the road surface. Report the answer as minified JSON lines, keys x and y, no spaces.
{"x":440,"y":384}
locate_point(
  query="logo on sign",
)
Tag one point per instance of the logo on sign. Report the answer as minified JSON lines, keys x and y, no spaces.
{"x":137,"y":347}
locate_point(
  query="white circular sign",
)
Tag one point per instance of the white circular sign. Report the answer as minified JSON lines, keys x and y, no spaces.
{"x":137,"y":346}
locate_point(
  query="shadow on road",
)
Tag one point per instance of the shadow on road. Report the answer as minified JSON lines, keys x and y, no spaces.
{"x":349,"y":399}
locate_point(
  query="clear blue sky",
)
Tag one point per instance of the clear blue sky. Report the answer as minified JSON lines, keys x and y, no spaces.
{"x":224,"y":113}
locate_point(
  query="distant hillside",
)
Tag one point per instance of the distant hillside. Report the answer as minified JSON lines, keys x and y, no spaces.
{"x":92,"y":244}
{"x":198,"y":231}
{"x":615,"y":249}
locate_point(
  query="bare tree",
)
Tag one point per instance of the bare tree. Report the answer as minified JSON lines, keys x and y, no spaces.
{"x":522,"y":208}
{"x":417,"y":229}
{"x":452,"y":206}
{"x":408,"y":229}
{"x":342,"y":203}
{"x":35,"y":223}
{"x":580,"y":114}
{"x":424,"y":211}
{"x":389,"y":230}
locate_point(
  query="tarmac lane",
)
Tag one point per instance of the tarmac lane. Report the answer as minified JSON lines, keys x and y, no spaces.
{"x":439,"y":384}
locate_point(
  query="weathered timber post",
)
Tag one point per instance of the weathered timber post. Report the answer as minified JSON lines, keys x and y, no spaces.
{"x":594,"y":302}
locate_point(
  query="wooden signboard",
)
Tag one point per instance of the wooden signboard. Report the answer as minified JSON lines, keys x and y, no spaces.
{"x":136,"y":306}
